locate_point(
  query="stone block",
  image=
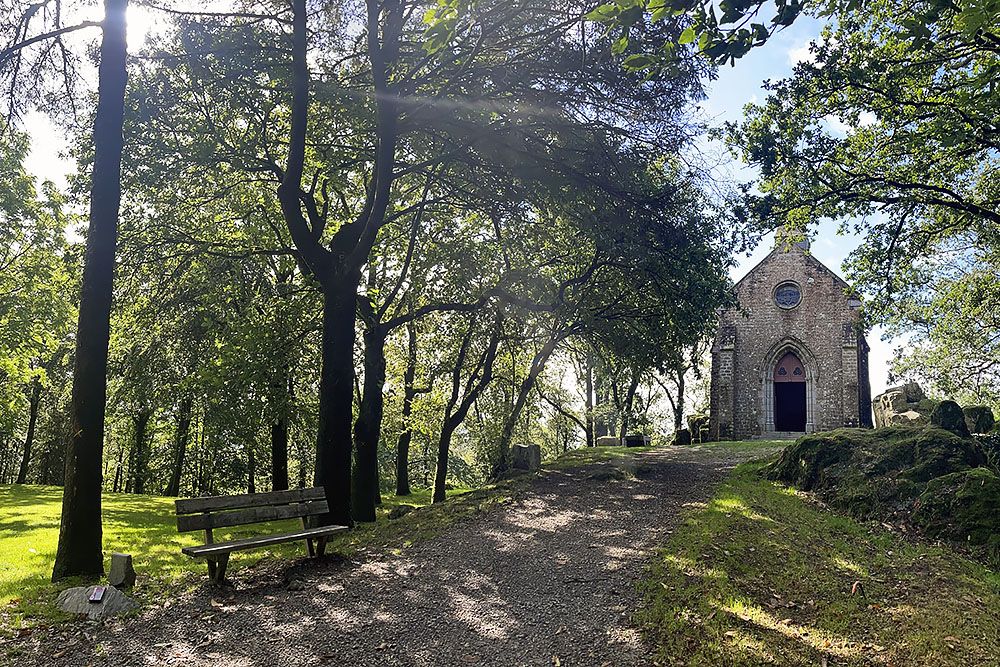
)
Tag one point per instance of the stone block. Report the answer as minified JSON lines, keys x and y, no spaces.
{"x":949,"y":416}
{"x":979,"y":418}
{"x":527,"y":457}
{"x":637,"y":440}
{"x":609,"y":441}
{"x":122,"y":573}
{"x":682,"y":437}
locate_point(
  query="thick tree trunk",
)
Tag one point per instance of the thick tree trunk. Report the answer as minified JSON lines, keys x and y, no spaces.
{"x":502,"y":463}
{"x":279,"y":454}
{"x":182,"y":436}
{"x":117,"y":486}
{"x":79,"y":549}
{"x":29,"y":437}
{"x":409,"y":393}
{"x":444,"y":447}
{"x":336,"y":402}
{"x":367,"y":428}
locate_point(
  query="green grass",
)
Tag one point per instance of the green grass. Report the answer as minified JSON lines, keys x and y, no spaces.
{"x":764,"y":575}
{"x":145,"y":526}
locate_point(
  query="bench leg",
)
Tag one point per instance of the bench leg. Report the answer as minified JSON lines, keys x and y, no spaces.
{"x":321,"y":546}
{"x":310,"y":549}
{"x":217,"y":568}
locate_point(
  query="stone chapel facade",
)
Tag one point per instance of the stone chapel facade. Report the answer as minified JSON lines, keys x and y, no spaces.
{"x":791,"y":357}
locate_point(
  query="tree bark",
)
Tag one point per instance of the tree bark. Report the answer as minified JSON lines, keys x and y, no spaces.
{"x":409,"y":393}
{"x":182,"y":436}
{"x":279,"y":454}
{"x":589,"y":402}
{"x":478,"y":380}
{"x":502,"y":464}
{"x":251,"y":471}
{"x":365,"y":483}
{"x":79,"y":548}
{"x":626,"y":407}
{"x":140,"y":469}
{"x":29,"y":437}
{"x":336,"y":404}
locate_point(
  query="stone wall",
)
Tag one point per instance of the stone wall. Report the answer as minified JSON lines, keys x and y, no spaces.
{"x":822,"y":330}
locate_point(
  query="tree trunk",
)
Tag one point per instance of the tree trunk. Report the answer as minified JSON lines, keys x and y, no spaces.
{"x":336,"y":403}
{"x":454,"y":416}
{"x":368,"y":427}
{"x":409,"y":393}
{"x":279,"y":454}
{"x":444,"y":446}
{"x":117,"y":486}
{"x":182,"y":436}
{"x":626,"y":408}
{"x":29,"y":438}
{"x":140,"y":469}
{"x":79,"y":549}
{"x":589,"y":402}
{"x":502,"y":463}
{"x":679,"y":403}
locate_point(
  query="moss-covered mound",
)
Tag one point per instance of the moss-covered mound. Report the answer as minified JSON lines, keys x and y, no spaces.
{"x":928,"y":477}
{"x":962,"y":506}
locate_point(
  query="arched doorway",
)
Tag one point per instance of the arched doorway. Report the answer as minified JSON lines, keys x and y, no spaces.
{"x":789,"y":394}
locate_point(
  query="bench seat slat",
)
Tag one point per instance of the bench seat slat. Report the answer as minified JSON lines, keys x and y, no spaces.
{"x":215,"y":503}
{"x":248,"y":515}
{"x":219,"y":548}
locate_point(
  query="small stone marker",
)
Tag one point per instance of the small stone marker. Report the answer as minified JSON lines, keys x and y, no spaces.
{"x":122,"y":573}
{"x":76,"y":600}
{"x":527,"y":457}
{"x":637,"y":440}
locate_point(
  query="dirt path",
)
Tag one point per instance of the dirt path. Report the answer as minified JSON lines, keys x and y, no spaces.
{"x":547,"y":579}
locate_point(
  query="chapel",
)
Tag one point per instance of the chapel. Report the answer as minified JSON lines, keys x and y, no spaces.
{"x":791,"y":357}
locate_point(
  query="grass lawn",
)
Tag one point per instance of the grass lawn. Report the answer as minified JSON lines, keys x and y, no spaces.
{"x":764,"y":575}
{"x":145,"y":526}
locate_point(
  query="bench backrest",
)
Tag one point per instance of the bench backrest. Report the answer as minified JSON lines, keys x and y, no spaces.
{"x":224,"y":511}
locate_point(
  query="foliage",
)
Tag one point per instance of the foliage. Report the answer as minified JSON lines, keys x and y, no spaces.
{"x":891,"y":128}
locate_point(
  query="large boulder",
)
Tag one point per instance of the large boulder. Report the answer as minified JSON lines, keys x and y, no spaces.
{"x":682,"y":437}
{"x":906,"y":405}
{"x":609,"y":441}
{"x":76,"y":600}
{"x":964,"y":507}
{"x":873,"y":473}
{"x":979,"y":418}
{"x":949,"y":416}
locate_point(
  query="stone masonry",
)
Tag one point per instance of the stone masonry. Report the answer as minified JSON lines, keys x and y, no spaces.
{"x":821,"y":329}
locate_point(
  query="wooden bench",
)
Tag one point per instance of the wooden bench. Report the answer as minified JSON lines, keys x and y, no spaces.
{"x":227,"y":511}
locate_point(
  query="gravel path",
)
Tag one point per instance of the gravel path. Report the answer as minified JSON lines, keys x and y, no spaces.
{"x":548,"y":579}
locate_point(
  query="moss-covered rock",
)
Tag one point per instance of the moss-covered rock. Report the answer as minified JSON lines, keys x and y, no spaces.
{"x":874,"y":473}
{"x":682,"y":437}
{"x":949,"y":416}
{"x":979,"y":418}
{"x":962,"y":506}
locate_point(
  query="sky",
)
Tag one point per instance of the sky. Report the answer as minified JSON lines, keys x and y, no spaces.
{"x":734,"y":88}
